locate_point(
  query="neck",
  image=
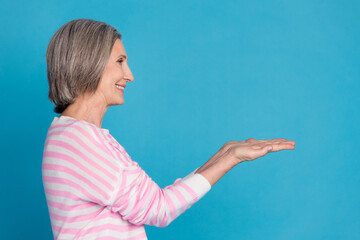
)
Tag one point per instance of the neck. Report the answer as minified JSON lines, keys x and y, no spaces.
{"x":88,"y":108}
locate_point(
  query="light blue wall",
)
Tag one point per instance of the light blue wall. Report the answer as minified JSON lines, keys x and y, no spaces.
{"x":206,"y":72}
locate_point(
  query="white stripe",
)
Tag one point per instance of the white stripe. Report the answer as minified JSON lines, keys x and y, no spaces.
{"x":84,"y":185}
{"x":93,"y":157}
{"x":111,"y":233}
{"x":82,"y":161}
{"x":91,"y":178}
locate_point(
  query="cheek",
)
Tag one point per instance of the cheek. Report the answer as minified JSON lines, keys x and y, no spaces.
{"x":112,"y":75}
{"x":117,"y":72}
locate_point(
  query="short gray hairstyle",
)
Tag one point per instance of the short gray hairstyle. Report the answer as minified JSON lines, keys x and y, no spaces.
{"x":76,"y":58}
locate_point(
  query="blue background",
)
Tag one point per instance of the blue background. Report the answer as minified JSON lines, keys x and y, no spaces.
{"x":206,"y":72}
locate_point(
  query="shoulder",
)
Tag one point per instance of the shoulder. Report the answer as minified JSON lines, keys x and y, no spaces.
{"x":76,"y":131}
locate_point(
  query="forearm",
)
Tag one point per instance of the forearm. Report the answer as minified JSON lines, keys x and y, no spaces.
{"x":216,"y":168}
{"x":214,"y":158}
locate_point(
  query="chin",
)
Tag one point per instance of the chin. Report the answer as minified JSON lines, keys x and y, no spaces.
{"x":115,"y":103}
{"x":121,"y":102}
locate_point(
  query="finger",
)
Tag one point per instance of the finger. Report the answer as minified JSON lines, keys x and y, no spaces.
{"x":282,"y":146}
{"x":291,"y":142}
{"x":269,"y":141}
{"x":279,"y":141}
{"x":258,"y":144}
{"x":283,"y":140}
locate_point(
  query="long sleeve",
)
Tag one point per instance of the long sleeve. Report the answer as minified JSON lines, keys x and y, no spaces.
{"x":95,"y":190}
{"x":141,"y":201}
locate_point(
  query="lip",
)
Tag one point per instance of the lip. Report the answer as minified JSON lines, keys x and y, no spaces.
{"x":124,"y":86}
{"x":122,"y":90}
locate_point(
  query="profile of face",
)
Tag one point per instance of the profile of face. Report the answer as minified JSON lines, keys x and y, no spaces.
{"x":117,"y":73}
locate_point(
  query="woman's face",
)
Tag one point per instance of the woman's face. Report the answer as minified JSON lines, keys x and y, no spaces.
{"x":117,"y":72}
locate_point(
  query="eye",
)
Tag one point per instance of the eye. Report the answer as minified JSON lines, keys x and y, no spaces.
{"x":120,"y":60}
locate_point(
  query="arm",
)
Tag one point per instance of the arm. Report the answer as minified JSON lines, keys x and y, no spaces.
{"x":218,"y":165}
{"x":215,"y":169}
{"x":235,"y":152}
{"x":141,"y":201}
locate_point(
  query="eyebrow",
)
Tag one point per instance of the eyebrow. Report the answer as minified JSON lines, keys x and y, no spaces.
{"x":123,"y":56}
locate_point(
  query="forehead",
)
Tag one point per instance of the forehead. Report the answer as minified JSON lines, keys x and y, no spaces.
{"x":118,"y":49}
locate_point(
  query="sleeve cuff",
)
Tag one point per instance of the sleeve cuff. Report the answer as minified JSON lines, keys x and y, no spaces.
{"x":191,"y":174}
{"x":198,"y":183}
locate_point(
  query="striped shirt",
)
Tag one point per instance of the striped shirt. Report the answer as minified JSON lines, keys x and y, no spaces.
{"x":94,"y":190}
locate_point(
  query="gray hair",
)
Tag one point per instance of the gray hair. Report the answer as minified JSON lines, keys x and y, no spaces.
{"x":76,"y":58}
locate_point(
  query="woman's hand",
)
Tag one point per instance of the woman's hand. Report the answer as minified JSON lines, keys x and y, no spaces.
{"x":251,"y":149}
{"x":234,"y":152}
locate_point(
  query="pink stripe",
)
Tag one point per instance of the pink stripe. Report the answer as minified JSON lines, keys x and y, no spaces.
{"x":120,"y":149}
{"x":159,"y":210}
{"x":64,"y":194}
{"x":104,"y":138}
{"x":123,"y":185}
{"x":112,"y":227}
{"x":116,"y":154}
{"x":66,"y":207}
{"x":140,"y":201}
{"x":67,"y":182}
{"x":127,"y":156}
{"x":189,"y":190}
{"x":79,"y":218}
{"x":120,"y":228}
{"x":132,"y":170}
{"x":113,"y":215}
{"x":109,"y":149}
{"x":180,"y":197}
{"x":83,"y":156}
{"x":95,"y":130}
{"x":119,"y":193}
{"x":67,"y":170}
{"x":84,"y":132}
{"x":85,"y":146}
{"x":121,"y":158}
{"x":158,"y":198}
{"x":141,"y":236}
{"x":132,"y":163}
{"x":121,"y":198}
{"x":65,"y":230}
{"x":58,"y":126}
{"x":172,"y":210}
{"x":108,"y":140}
{"x":79,"y":165}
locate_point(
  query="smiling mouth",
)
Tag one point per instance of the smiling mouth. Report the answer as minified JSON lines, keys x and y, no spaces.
{"x":119,"y":87}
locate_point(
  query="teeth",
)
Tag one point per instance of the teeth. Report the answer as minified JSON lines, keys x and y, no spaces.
{"x":119,"y":87}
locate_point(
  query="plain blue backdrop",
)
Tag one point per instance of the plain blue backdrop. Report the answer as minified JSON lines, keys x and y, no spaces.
{"x":206,"y":72}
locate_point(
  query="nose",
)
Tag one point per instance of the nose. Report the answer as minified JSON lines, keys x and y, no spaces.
{"x":127,"y":74}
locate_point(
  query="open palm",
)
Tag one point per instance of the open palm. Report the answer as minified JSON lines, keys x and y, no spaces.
{"x":251,"y":149}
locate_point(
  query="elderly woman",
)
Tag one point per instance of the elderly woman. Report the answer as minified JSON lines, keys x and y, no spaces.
{"x":94,"y":190}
